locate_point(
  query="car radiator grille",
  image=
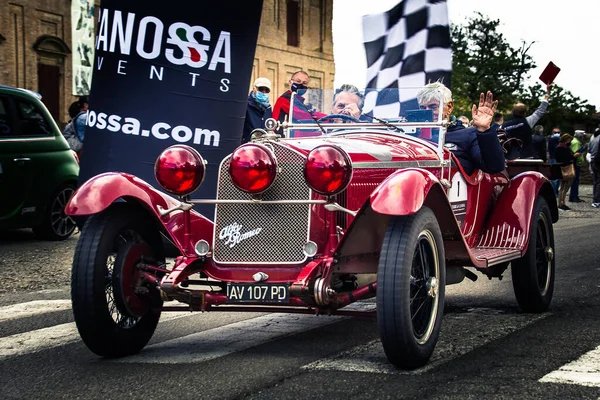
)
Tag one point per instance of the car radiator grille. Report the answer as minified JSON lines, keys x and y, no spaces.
{"x":283,"y":227}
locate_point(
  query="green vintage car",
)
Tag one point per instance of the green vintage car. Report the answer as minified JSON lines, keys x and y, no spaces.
{"x":38,"y":171}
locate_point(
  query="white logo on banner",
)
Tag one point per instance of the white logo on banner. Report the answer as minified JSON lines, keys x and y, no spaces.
{"x":232,"y":234}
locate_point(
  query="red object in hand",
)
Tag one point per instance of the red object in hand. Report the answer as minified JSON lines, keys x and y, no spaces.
{"x":549,"y":73}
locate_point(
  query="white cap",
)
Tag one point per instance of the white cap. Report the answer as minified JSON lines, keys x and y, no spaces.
{"x":263,"y":82}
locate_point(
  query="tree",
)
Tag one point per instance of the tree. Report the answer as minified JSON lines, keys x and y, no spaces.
{"x":565,"y":110}
{"x":484,"y":60}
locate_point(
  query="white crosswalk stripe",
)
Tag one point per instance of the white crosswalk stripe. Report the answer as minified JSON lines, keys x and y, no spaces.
{"x":47,"y":338}
{"x":206,"y":345}
{"x":37,"y":340}
{"x":583,"y":371}
{"x":485,"y":325}
{"x":219,"y":342}
{"x":370,"y":357}
{"x":31,"y":308}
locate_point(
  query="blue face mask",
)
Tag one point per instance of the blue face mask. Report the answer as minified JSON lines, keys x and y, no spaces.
{"x":262,"y":97}
{"x":298,"y":88}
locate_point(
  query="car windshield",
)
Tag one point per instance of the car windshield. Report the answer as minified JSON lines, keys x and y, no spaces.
{"x":414,"y":112}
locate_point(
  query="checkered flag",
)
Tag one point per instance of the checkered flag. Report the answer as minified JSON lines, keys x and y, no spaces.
{"x":407,"y":47}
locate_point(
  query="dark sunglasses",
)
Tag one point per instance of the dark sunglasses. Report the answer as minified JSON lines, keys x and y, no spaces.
{"x":263,"y":89}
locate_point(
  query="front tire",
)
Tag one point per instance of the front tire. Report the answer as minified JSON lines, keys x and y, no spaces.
{"x":411,"y":281}
{"x":113,"y":320}
{"x":533,"y":274}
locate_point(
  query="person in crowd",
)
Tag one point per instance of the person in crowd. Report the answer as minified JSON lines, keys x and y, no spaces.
{"x":476,"y":147}
{"x":498,"y":120}
{"x":299,"y":84}
{"x":74,"y":109}
{"x":552,"y":143}
{"x":538,"y":142}
{"x":74,"y":131}
{"x":348,"y":100}
{"x":520,"y":126}
{"x":259,"y":108}
{"x":81,"y":117}
{"x":578,"y":149}
{"x":564,"y":157}
{"x":464,"y":120}
{"x":594,"y":152}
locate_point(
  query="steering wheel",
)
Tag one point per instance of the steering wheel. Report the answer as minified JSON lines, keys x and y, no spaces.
{"x":343,"y":117}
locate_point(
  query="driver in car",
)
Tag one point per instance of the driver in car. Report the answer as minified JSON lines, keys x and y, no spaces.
{"x":348,"y":100}
{"x":476,"y":147}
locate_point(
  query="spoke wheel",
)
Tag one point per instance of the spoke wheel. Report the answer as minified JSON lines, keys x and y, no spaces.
{"x":56,"y":224}
{"x":533,"y":274}
{"x":112,"y":317}
{"x":410,"y":289}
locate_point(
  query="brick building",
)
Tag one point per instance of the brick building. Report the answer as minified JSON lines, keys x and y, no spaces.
{"x":35,"y":47}
{"x":295,"y":35}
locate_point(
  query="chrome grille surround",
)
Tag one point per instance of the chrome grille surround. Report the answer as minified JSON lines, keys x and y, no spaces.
{"x":284,"y":228}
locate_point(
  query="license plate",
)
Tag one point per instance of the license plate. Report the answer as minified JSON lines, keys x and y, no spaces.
{"x":257,"y":293}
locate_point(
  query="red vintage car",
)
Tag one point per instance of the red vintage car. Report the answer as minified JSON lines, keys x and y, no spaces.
{"x":330,"y":214}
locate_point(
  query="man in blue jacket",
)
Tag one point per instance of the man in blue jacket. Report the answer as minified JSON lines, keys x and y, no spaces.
{"x":259,"y":108}
{"x":476,"y":147}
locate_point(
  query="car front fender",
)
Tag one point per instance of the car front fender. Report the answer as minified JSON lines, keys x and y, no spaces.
{"x":403,"y":192}
{"x":99,"y":192}
{"x":400,"y":195}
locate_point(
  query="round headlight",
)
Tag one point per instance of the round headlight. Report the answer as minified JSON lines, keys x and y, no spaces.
{"x":202,"y":247}
{"x":328,"y":169}
{"x":180,"y":169}
{"x":253,"y":168}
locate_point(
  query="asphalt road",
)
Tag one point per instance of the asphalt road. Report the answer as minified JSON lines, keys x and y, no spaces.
{"x":487,"y":349}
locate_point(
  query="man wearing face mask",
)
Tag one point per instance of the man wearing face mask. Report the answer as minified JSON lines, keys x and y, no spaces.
{"x":298,"y":84}
{"x":259,"y":107}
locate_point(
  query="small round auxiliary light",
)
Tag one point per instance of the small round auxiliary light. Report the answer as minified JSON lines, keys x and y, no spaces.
{"x":328,"y":169}
{"x":202,"y":247}
{"x":310,"y":249}
{"x":180,"y":169}
{"x":252,"y":168}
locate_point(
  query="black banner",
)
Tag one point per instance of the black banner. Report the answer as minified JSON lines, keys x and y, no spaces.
{"x":167,"y":73}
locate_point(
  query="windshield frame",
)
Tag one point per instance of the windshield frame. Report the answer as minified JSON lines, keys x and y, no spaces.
{"x":395,"y":128}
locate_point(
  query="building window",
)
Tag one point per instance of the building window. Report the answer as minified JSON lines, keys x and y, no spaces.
{"x":293,"y":18}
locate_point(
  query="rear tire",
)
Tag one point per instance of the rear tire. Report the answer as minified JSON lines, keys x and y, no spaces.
{"x":533,"y":274}
{"x":56,"y":225}
{"x":411,"y":282}
{"x":113,"y":323}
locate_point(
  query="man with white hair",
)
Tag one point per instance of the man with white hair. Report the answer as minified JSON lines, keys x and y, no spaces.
{"x":476,"y":147}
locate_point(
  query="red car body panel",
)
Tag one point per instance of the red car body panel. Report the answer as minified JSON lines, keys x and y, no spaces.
{"x":403,"y":192}
{"x":514,"y":211}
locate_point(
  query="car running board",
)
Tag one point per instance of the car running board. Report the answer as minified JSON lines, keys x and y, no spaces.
{"x":492,"y":256}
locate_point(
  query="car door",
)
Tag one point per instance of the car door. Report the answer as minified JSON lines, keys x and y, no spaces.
{"x":31,"y":156}
{"x":16,"y":171}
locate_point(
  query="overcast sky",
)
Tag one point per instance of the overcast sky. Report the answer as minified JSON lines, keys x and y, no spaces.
{"x":565,"y":33}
